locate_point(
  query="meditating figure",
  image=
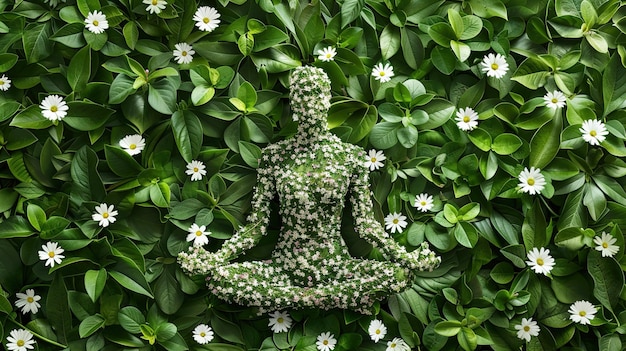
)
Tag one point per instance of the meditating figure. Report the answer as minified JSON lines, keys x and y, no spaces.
{"x":310,"y":266}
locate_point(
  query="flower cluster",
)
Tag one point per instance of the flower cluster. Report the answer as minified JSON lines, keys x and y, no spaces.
{"x":310,"y":266}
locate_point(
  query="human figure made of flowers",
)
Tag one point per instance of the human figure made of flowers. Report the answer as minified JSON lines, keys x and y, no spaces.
{"x":310,"y":266}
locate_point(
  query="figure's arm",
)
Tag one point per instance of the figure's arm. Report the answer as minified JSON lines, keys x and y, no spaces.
{"x":199,"y":261}
{"x":371,"y":230}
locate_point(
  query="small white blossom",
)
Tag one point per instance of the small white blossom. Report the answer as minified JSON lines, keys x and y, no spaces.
{"x":531,"y":181}
{"x":377,"y":330}
{"x":540,"y":260}
{"x":203,"y":334}
{"x":206,"y":18}
{"x":397,"y":344}
{"x":466,"y":119}
{"x":605,"y":244}
{"x":196,"y":169}
{"x":183,"y":53}
{"x":594,"y":132}
{"x":326,"y":342}
{"x":28,"y":302}
{"x":374,"y":159}
{"x":527,"y":328}
{"x":5,"y":83}
{"x":327,"y":54}
{"x":54,"y":108}
{"x":105,"y":214}
{"x":383,"y":73}
{"x":554,"y":99}
{"x":495,"y":65}
{"x":96,"y":22}
{"x":424,"y":202}
{"x":279,"y":321}
{"x":20,"y":340}
{"x":395,"y":222}
{"x":155,"y":6}
{"x":133,"y":144}
{"x":51,"y":253}
{"x":582,"y":312}
{"x":198,"y":235}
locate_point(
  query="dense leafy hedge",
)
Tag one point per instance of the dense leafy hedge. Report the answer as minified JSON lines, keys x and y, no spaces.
{"x":119,"y":286}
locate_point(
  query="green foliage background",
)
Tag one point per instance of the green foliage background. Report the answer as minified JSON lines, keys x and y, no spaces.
{"x":121,"y":288}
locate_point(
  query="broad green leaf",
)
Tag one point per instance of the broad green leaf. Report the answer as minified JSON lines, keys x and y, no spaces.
{"x":87,"y":184}
{"x":160,"y":194}
{"x":389,"y":41}
{"x":136,"y":284}
{"x":472,"y":26}
{"x":30,"y":118}
{"x":79,"y":70}
{"x":448,"y":328}
{"x":412,"y":48}
{"x":407,"y":136}
{"x":442,"y":33}
{"x":545,"y":143}
{"x":506,"y":144}
{"x":121,"y":163}
{"x":162,"y":94}
{"x":608,"y":279}
{"x":594,"y":200}
{"x":461,"y":50}
{"x":439,"y":112}
{"x":15,"y":227}
{"x":95,"y":282}
{"x":481,"y":139}
{"x":120,"y":89}
{"x":130,"y":318}
{"x":90,"y":325}
{"x":532,"y":73}
{"x":37,"y":44}
{"x":384,"y":135}
{"x":247,"y":94}
{"x":53,"y":227}
{"x":187,"y":131}
{"x":350,"y":11}
{"x":167,"y":293}
{"x":58,"y":309}
{"x":7,"y":61}
{"x":489,"y":8}
{"x":36,"y":216}
{"x":467,"y":339}
{"x":456,"y":22}
{"x":250,"y":153}
{"x":87,"y":116}
{"x":202,"y":94}
{"x":614,"y":85}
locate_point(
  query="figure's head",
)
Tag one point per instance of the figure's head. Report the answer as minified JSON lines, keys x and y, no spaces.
{"x":310,"y":95}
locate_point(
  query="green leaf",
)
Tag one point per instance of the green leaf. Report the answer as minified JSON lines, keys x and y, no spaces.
{"x":481,"y":139}
{"x":442,"y":33}
{"x":472,"y":25}
{"x":53,"y":227}
{"x":467,"y":339}
{"x":614,"y":85}
{"x":545,"y":143}
{"x":131,"y":319}
{"x":30,"y":118}
{"x":90,"y":325}
{"x":162,"y":94}
{"x":7,"y":61}
{"x":202,"y":94}
{"x":412,"y":48}
{"x":350,"y":11}
{"x":121,"y":163}
{"x":131,"y":34}
{"x":187,"y":131}
{"x":532,"y":73}
{"x":502,"y":273}
{"x":87,"y":116}
{"x":137,"y":284}
{"x":389,"y":41}
{"x":58,"y":309}
{"x":456,"y":22}
{"x":384,"y":135}
{"x":407,"y":136}
{"x":36,"y":216}
{"x":448,"y":328}
{"x":506,"y":144}
{"x":87,"y":185}
{"x":250,"y":153}
{"x":15,"y":227}
{"x":79,"y":70}
{"x":37,"y":43}
{"x":95,"y":282}
{"x":120,"y":89}
{"x":489,"y":8}
{"x":226,"y":329}
{"x":610,"y":342}
{"x":167,"y":294}
{"x":461,"y":50}
{"x":573,"y":214}
{"x":247,"y":94}
{"x":608,"y":279}
{"x":594,"y":200}
{"x":439,"y":112}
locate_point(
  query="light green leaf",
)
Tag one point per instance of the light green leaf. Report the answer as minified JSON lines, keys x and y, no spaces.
{"x":187,"y":131}
{"x":608,"y":279}
{"x":545,"y":143}
{"x":384,"y":135}
{"x":90,"y":325}
{"x":95,"y":282}
{"x":389,"y":41}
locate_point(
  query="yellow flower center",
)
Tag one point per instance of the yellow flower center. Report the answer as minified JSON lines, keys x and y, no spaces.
{"x":328,"y":55}
{"x":132,"y":146}
{"x":54,"y":108}
{"x":280,"y":320}
{"x":377,"y":331}
{"x":526,"y":328}
{"x":373,"y":159}
{"x":95,"y":23}
{"x":582,"y":313}
{"x":423,"y":203}
{"x":20,"y":343}
{"x":203,"y":334}
{"x":554,"y":100}
{"x":184,"y":53}
{"x":494,"y":66}
{"x":605,"y":245}
{"x":325,"y":342}
{"x":1,"y":82}
{"x":206,"y":20}
{"x":395,"y":221}
{"x":531,"y":181}
{"x":198,"y":233}
{"x":51,"y":254}
{"x":382,"y":73}
{"x":393,"y":345}
{"x":155,"y":2}
{"x":540,"y":261}
{"x":195,"y":169}
{"x":466,"y":119}
{"x":593,"y":133}
{"x":105,"y":215}
{"x":30,"y":299}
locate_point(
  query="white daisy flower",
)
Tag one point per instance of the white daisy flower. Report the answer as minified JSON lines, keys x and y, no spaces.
{"x":327,"y":54}
{"x":395,"y":222}
{"x":198,"y":235}
{"x":279,"y":322}
{"x":326,"y":342}
{"x":554,"y":99}
{"x":155,"y":6}
{"x":424,"y":202}
{"x":383,"y":73}
{"x":466,"y":119}
{"x":203,"y":334}
{"x":28,"y":302}
{"x":582,"y":312}
{"x":105,"y":214}
{"x":531,"y":181}
{"x":494,"y":65}
{"x":206,"y":18}
{"x":527,"y":328}
{"x":594,"y":132}
{"x":377,"y":330}
{"x":374,"y":159}
{"x":183,"y":53}
{"x":196,"y":169}
{"x":96,"y":22}
{"x":605,"y":244}
{"x":5,"y":83}
{"x":20,"y":340}
{"x":133,"y":144}
{"x":51,"y":253}
{"x":540,"y":260}
{"x":54,"y":108}
{"x":397,"y":344}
